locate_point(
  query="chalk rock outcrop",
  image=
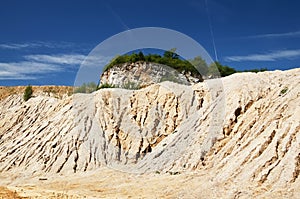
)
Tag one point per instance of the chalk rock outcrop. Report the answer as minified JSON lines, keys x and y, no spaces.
{"x":142,"y":74}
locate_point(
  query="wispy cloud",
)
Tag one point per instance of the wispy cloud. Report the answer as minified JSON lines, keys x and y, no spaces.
{"x":13,"y":46}
{"x":70,"y":59}
{"x":277,"y":35}
{"x":26,"y":70}
{"x":73,"y":59}
{"x":35,"y":66}
{"x":38,"y":44}
{"x":273,"y":56}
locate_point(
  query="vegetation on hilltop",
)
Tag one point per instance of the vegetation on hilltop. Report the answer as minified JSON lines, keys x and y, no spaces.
{"x":170,"y":58}
{"x":197,"y":67}
{"x":27,"y":93}
{"x":86,"y":88}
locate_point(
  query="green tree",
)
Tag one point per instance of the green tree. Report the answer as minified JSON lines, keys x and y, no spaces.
{"x":213,"y":71}
{"x":141,"y":56}
{"x":200,"y":64}
{"x":27,"y":93}
{"x":170,"y":54}
{"x":225,"y":70}
{"x":222,"y":70}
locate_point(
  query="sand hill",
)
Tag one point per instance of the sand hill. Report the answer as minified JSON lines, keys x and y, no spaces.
{"x":235,"y":137}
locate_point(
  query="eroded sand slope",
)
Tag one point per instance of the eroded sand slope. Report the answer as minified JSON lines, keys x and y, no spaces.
{"x":233,"y":137}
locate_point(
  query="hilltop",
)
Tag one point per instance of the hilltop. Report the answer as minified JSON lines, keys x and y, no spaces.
{"x":54,"y":91}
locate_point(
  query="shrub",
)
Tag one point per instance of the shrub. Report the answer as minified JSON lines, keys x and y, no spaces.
{"x":106,"y":85}
{"x":174,"y":172}
{"x":170,"y":58}
{"x":283,"y":91}
{"x":173,"y":60}
{"x":224,"y":70}
{"x":27,"y":93}
{"x":86,"y":88}
{"x":256,"y":70}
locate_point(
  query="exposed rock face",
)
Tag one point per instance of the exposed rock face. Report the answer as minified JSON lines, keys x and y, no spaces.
{"x":163,"y":127}
{"x":142,"y":74}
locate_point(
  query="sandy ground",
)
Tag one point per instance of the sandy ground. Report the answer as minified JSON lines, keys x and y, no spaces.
{"x":6,"y":193}
{"x":108,"y":183}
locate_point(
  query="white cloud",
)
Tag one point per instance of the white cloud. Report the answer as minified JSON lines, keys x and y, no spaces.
{"x":13,"y":46}
{"x":8,"y":74}
{"x":70,"y":59}
{"x":38,"y":44}
{"x":25,"y":70}
{"x":96,"y":61}
{"x":277,"y":35}
{"x":15,"y":76}
{"x":34,"y":66}
{"x":273,"y":56}
{"x":39,"y":65}
{"x":73,"y":59}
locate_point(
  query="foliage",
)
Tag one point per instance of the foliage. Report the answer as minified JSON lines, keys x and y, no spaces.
{"x":256,"y":70}
{"x":86,"y":88}
{"x":27,"y":93}
{"x":216,"y":69}
{"x":106,"y":85}
{"x":171,"y":54}
{"x":200,"y":64}
{"x":283,"y":91}
{"x":170,"y":58}
{"x":224,"y":70}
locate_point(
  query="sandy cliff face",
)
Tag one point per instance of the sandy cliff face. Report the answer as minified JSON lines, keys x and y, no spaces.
{"x":242,"y":129}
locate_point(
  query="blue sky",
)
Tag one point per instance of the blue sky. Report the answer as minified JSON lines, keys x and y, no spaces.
{"x":44,"y":42}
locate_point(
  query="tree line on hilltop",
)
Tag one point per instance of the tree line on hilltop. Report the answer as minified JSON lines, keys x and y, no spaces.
{"x":172,"y":59}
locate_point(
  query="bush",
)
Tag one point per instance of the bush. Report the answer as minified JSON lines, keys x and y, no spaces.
{"x":223,"y":70}
{"x":170,"y":58}
{"x":283,"y":91}
{"x":27,"y":93}
{"x":86,"y":88}
{"x":173,"y":60}
{"x":256,"y":70}
{"x":106,"y":85}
